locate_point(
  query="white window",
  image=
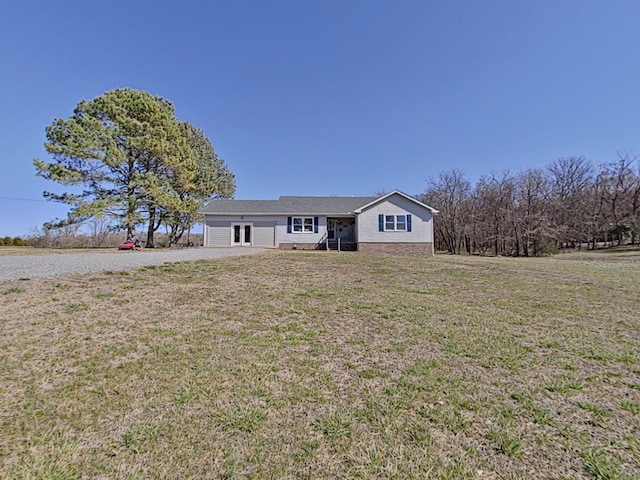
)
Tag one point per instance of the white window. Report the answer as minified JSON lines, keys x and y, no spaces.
{"x":389,"y":222}
{"x":302,"y":224}
{"x":395,"y":222}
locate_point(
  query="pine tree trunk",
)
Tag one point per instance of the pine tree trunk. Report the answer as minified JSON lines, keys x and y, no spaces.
{"x":151,"y":229}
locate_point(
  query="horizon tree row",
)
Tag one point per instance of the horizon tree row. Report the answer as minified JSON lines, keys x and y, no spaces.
{"x":571,"y":203}
{"x":130,"y":160}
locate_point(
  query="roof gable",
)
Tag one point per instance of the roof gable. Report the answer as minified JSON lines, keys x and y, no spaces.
{"x":399,"y":193}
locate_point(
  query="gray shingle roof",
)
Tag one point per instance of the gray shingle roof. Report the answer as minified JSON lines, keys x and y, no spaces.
{"x":289,"y":205}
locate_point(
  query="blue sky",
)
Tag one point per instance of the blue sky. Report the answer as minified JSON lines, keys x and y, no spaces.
{"x":329,"y":97}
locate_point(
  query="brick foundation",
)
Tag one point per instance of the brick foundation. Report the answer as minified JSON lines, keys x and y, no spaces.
{"x":397,"y":248}
{"x":388,"y":248}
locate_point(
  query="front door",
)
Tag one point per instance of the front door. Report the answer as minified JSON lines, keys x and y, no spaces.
{"x":241,"y":234}
{"x":331,"y":229}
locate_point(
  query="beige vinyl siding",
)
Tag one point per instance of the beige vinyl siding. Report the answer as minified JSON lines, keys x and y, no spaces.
{"x":421,"y":222}
{"x":284,"y":237}
{"x":218,"y":234}
{"x":218,"y":229}
{"x":264,"y":234}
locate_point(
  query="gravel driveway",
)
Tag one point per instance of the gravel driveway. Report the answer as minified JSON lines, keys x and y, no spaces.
{"x":49,"y":266}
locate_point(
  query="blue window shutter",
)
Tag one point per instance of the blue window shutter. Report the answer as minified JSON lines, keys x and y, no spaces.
{"x":408,"y":223}
{"x":381,"y":223}
{"x":315,"y":224}
{"x":288,"y":224}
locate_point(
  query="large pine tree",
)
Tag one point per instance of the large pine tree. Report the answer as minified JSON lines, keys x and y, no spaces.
{"x":129,"y":158}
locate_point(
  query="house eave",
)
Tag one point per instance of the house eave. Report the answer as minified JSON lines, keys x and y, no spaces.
{"x":281,"y":214}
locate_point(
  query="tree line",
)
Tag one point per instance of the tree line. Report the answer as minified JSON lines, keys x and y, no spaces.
{"x":95,"y":233}
{"x":129,"y":159}
{"x":571,"y":203}
{"x":13,"y":242}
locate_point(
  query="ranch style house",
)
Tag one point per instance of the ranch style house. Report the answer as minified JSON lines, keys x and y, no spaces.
{"x":392,"y":223}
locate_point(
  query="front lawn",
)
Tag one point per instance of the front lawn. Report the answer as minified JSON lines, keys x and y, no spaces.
{"x":316,"y":365}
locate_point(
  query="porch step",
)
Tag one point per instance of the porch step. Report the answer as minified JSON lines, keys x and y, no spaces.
{"x":344,"y":246}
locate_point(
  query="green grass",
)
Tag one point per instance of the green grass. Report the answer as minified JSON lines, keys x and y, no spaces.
{"x":306,"y":365}
{"x":77,"y":307}
{"x":12,"y":290}
{"x":604,"y":466}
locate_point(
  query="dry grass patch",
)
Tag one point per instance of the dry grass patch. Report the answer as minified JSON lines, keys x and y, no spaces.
{"x":295,"y":365}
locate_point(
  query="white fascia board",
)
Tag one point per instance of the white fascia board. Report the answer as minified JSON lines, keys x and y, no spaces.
{"x":280,"y":214}
{"x":396,"y":192}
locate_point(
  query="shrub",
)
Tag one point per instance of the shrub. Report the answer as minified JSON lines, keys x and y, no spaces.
{"x":19,"y":242}
{"x":548,"y":246}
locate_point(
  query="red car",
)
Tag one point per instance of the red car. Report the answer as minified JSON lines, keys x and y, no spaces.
{"x":130,"y":245}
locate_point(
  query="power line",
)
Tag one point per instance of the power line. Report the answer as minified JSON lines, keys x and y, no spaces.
{"x":24,"y":199}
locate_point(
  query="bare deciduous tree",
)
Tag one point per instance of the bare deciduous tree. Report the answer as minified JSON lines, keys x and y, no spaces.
{"x":450,"y":191}
{"x":566,"y":205}
{"x":99,"y":230}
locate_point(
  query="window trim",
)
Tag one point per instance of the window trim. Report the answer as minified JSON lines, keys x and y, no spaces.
{"x":390,"y":223}
{"x":306,"y":224}
{"x":389,"y":220}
